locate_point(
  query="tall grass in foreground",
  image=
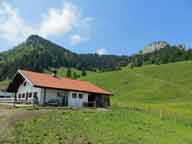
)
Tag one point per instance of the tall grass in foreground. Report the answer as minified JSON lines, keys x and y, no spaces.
{"x":119,"y":125}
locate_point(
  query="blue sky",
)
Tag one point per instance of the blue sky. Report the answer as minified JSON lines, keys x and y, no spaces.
{"x":120,"y":27}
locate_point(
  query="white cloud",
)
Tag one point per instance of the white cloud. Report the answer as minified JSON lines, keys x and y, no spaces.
{"x":101,"y":51}
{"x":12,"y":27}
{"x":75,"y":39}
{"x":57,"y":22}
{"x":67,"y":20}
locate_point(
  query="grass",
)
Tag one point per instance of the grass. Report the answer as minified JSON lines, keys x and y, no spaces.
{"x":120,"y":125}
{"x":154,"y":87}
{"x":164,"y":84}
{"x":151,"y":104}
{"x":62,"y":71}
{"x":4,"y":84}
{"x":9,"y":117}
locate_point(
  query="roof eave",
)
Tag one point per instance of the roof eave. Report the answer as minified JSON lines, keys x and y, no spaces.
{"x":108,"y":94}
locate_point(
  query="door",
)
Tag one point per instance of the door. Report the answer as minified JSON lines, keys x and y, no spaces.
{"x":65,"y":99}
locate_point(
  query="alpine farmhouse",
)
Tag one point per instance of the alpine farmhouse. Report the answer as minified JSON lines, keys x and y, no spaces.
{"x":43,"y":89}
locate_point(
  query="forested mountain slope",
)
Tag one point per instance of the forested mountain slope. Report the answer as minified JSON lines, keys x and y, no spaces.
{"x":39,"y":54}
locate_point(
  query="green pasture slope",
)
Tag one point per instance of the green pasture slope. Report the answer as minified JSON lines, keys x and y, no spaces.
{"x":4,"y":84}
{"x":170,"y":83}
{"x":151,"y":104}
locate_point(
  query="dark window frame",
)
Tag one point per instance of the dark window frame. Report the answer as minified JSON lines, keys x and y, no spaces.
{"x":35,"y":94}
{"x":74,"y":95}
{"x":19,"y":96}
{"x":30,"y":95}
{"x":23,"y":95}
{"x":81,"y":96}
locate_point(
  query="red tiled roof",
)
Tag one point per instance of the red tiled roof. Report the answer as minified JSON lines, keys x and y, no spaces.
{"x":48,"y":81}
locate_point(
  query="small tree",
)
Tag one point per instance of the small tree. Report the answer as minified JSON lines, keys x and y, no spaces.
{"x":131,"y":65}
{"x":69,"y":73}
{"x":75,"y":76}
{"x":84,"y":73}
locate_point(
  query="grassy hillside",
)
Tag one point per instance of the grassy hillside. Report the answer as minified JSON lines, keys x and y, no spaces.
{"x":118,"y":126}
{"x":62,"y":71}
{"x":151,"y":105}
{"x":4,"y":84}
{"x":169,"y":83}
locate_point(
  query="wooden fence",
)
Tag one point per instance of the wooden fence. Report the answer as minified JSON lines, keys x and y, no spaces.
{"x":7,"y":100}
{"x":6,"y":97}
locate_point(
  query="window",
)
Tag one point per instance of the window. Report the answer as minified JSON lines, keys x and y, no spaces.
{"x":58,"y":94}
{"x":19,"y":96}
{"x":35,"y":98}
{"x":35,"y":94}
{"x":80,"y":96}
{"x":74,"y":95}
{"x":23,"y":95}
{"x":25,"y":83}
{"x":30,"y":95}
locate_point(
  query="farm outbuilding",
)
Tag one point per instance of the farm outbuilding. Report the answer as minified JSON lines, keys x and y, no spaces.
{"x":44,"y":89}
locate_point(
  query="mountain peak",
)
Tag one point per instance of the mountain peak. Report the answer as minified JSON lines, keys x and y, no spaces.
{"x":157,"y":45}
{"x":34,"y":38}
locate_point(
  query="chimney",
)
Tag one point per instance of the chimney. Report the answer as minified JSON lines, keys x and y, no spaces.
{"x":54,"y":73}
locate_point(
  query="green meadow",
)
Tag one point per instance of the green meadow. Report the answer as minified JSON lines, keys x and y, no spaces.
{"x":170,"y":83}
{"x":118,"y":125}
{"x":150,"y":105}
{"x":4,"y":84}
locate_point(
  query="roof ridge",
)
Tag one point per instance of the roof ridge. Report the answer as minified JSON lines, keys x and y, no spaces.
{"x":49,"y":75}
{"x":33,"y":72}
{"x":72,"y":79}
{"x":47,"y":80}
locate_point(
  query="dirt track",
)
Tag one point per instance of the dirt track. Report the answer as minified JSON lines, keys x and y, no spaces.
{"x":8,"y":118}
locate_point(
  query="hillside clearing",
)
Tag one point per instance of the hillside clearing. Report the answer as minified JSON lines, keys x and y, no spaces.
{"x":151,"y":104}
{"x":152,"y":84}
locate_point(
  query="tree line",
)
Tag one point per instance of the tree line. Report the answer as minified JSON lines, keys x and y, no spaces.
{"x":75,"y":75}
{"x":168,"y":54}
{"x":38,"y":54}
